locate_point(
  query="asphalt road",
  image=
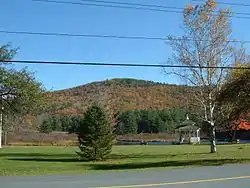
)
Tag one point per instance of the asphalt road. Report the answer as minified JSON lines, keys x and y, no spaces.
{"x":228,"y":176}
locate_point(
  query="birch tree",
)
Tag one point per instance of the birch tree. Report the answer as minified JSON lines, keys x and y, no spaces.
{"x":205,"y":43}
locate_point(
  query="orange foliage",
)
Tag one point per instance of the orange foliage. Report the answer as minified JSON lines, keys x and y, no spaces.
{"x":189,"y":9}
{"x":118,"y":96}
{"x":243,"y":125}
{"x":212,"y":4}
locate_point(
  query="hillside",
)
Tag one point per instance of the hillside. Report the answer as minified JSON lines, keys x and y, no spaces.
{"x":118,"y":95}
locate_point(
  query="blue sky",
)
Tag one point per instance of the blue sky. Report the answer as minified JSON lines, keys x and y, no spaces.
{"x":25,"y":15}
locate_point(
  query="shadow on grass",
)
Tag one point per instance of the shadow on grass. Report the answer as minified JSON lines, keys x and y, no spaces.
{"x":74,"y":158}
{"x":150,"y":156}
{"x":180,"y":163}
{"x":37,"y":159}
{"x":74,"y":155}
{"x":35,"y":155}
{"x":133,"y":165}
{"x":138,"y":165}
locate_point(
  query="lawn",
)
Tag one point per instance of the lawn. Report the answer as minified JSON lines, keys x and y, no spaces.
{"x":63,"y":160}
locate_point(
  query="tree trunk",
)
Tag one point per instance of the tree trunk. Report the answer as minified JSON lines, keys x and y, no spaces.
{"x":212,"y":139}
{"x":234,"y":134}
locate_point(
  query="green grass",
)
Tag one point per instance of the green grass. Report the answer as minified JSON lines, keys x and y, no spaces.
{"x":63,"y":160}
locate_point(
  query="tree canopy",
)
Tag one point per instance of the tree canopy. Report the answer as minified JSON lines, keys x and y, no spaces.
{"x":236,"y":94}
{"x":20,"y":92}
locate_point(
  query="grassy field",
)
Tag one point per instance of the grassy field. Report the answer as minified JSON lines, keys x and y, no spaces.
{"x":63,"y":160}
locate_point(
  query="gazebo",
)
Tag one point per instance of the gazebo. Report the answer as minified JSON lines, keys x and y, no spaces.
{"x":188,"y":128}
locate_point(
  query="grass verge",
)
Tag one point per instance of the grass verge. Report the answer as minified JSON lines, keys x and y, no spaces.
{"x":63,"y":160}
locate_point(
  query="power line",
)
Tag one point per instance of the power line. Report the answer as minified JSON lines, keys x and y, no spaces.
{"x":108,"y":6}
{"x":109,"y":36}
{"x":121,"y":64}
{"x":129,"y":7}
{"x":226,"y":3}
{"x":83,"y":35}
{"x":134,"y":4}
{"x":152,"y":5}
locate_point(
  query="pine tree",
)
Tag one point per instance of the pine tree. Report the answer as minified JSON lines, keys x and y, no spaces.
{"x":75,"y":122}
{"x":95,"y":134}
{"x":45,"y":127}
{"x":131,"y":123}
{"x":127,"y":123}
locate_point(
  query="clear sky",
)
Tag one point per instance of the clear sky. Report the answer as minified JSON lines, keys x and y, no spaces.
{"x":25,"y":15}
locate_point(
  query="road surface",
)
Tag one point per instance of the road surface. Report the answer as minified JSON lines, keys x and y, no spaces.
{"x":228,"y":176}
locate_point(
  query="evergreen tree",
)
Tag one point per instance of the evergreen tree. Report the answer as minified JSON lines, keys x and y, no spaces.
{"x":56,"y":123}
{"x":128,"y":122}
{"x":137,"y":115}
{"x":160,"y":126}
{"x":170,"y":127}
{"x":119,"y":130}
{"x":65,"y":123}
{"x":45,"y":127}
{"x":95,"y":135}
{"x":166,"y":115}
{"x":74,"y":126}
{"x":143,"y":124}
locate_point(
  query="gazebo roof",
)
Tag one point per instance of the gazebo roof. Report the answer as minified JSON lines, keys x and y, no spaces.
{"x":188,"y":128}
{"x":187,"y":122}
{"x":187,"y":125}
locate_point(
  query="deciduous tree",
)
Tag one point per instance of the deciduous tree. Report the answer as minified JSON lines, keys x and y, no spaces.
{"x":205,"y":43}
{"x":234,"y":97}
{"x":20,"y":92}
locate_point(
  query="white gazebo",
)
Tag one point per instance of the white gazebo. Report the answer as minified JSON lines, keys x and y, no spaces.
{"x":189,"y":129}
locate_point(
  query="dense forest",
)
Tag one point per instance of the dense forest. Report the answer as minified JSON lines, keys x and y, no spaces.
{"x":60,"y":123}
{"x":128,"y":122}
{"x":149,"y":121}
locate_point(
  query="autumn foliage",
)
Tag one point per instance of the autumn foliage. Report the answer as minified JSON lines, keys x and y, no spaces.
{"x":117,"y":96}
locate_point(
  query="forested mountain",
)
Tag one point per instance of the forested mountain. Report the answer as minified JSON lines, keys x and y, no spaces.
{"x":119,"y":95}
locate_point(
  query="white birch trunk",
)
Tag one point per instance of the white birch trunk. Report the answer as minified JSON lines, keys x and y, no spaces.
{"x":212,"y":138}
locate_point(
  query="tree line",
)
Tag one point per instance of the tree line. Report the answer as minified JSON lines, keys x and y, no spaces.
{"x":128,"y":122}
{"x":149,"y":121}
{"x":68,"y":124}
